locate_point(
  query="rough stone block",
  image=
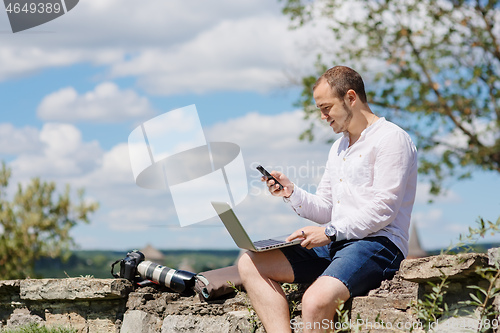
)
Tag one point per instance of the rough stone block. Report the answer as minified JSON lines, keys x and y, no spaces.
{"x":386,"y":309}
{"x":22,"y":317}
{"x":494,"y":256}
{"x":137,"y":321}
{"x":74,"y":289}
{"x":72,"y":320}
{"x":9,"y":291}
{"x":99,"y":325}
{"x":432,"y":268}
{"x":382,"y":314}
{"x":160,"y":304}
{"x":103,"y":316}
{"x":7,"y":287}
{"x":463,"y":323}
{"x":233,"y":322}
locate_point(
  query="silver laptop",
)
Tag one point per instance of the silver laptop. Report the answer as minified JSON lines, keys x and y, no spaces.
{"x":241,"y":237}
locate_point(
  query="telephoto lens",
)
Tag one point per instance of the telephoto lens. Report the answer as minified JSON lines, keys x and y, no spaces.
{"x":177,"y":280}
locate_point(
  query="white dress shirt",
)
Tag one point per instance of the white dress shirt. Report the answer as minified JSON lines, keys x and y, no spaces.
{"x":367,"y":189}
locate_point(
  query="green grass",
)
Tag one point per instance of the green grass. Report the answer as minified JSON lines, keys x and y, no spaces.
{"x":35,"y":328}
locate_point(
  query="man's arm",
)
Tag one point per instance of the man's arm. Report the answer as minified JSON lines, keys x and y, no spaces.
{"x":315,"y":207}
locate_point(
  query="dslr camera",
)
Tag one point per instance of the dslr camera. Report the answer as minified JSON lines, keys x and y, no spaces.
{"x":128,"y":266}
{"x":135,"y":269}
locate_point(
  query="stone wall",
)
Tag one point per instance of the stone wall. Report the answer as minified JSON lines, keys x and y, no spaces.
{"x":387,"y":309}
{"x":112,"y":305}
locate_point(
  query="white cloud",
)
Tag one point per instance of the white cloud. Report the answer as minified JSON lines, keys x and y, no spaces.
{"x":423,"y":195}
{"x":169,"y":46}
{"x":274,"y":139}
{"x":18,"y":140}
{"x":114,"y":170}
{"x":133,"y":218}
{"x":23,"y":60}
{"x":63,"y":154}
{"x":426,"y":219}
{"x":106,"y":103}
{"x":246,"y":54}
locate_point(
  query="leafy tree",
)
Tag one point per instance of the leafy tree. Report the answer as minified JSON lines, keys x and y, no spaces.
{"x":36,"y":224}
{"x":433,"y":65}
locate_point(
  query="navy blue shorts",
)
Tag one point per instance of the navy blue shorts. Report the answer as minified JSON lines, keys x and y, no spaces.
{"x":360,"y":264}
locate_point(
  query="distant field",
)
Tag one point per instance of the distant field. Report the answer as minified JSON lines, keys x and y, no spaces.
{"x":98,"y":263}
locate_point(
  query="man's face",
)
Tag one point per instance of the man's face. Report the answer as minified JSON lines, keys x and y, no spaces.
{"x":333,"y":109}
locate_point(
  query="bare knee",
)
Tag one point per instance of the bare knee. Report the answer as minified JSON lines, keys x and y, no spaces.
{"x":314,"y":301}
{"x":246,"y":266}
{"x":271,"y":265}
{"x":324,"y":296}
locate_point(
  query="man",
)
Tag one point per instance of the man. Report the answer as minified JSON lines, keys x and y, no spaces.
{"x":363,"y":202}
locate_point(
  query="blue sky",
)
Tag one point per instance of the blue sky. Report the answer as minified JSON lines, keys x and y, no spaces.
{"x":238,"y":63}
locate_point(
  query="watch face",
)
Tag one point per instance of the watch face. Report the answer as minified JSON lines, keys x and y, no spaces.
{"x":331,"y":233}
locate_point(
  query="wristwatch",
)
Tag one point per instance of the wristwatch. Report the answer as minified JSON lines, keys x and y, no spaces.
{"x":331,"y":232}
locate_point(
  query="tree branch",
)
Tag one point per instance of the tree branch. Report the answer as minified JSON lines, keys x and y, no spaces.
{"x":447,"y":110}
{"x":489,"y":29}
{"x":491,"y":89}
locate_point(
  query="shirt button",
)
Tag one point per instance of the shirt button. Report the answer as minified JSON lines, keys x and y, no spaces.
{"x":300,"y":206}
{"x":340,"y":179}
{"x":338,"y":201}
{"x":344,"y":158}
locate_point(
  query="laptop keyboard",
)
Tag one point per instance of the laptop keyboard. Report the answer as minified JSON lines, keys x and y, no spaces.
{"x":268,"y":242}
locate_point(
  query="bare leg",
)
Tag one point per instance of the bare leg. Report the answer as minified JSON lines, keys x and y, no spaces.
{"x":320,"y":302}
{"x":260,"y":273}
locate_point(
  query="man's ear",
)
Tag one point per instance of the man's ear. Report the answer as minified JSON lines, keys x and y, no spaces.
{"x":350,"y":97}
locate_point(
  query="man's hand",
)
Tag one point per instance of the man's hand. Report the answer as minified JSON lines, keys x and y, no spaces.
{"x":313,"y":237}
{"x":283,"y":180}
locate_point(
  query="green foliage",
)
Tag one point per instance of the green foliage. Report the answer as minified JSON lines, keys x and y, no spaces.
{"x":434,"y":66}
{"x":482,"y":299}
{"x":35,"y":328}
{"x":432,"y":306}
{"x":290,"y":289}
{"x":252,"y":318}
{"x":465,"y":242}
{"x":36,"y":223}
{"x":343,"y":319}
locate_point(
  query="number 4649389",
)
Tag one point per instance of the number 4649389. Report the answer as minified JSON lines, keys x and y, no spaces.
{"x":33,"y":8}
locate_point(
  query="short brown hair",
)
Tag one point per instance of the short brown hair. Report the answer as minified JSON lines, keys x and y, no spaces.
{"x":341,"y":79}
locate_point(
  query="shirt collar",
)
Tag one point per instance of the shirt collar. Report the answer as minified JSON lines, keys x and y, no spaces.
{"x":366,"y":130}
{"x":372,"y":126}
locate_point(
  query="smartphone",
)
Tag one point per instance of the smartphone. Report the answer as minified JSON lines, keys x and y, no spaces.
{"x":268,"y":176}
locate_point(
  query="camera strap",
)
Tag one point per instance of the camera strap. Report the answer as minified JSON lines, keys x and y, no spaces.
{"x":113,"y":267}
